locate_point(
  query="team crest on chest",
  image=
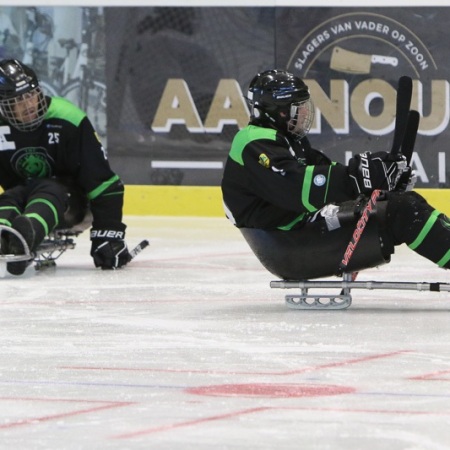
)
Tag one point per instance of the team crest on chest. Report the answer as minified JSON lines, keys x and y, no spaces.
{"x":32,"y":162}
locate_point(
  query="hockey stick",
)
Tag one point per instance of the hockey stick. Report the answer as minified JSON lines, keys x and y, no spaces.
{"x":406,"y":126}
{"x":403,"y":105}
{"x":409,"y":139}
{"x":138,"y":249}
{"x":404,"y":137}
{"x":407,"y":148}
{"x":133,"y":253}
{"x":359,"y":230}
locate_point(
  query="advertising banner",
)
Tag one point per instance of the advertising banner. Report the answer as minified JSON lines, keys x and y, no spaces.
{"x":165,"y":86}
{"x":177,"y":78}
{"x":352,"y":59}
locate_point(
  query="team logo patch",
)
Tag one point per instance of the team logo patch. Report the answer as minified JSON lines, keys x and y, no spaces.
{"x":33,"y":162}
{"x":319,"y":180}
{"x":264,"y":160}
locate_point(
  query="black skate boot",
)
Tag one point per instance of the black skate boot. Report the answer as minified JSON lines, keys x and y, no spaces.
{"x":23,"y":225}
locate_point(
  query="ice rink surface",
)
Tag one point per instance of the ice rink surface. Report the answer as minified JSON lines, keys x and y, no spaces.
{"x":189,"y":348}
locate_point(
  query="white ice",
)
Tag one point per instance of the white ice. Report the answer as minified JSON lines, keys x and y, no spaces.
{"x":189,"y":348}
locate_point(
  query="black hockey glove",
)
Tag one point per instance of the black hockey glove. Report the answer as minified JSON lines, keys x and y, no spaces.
{"x":109,"y":249}
{"x":381,"y":170}
{"x":407,"y":181}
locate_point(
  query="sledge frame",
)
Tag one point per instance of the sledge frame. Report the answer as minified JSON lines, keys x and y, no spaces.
{"x":51,"y":248}
{"x":342,"y":300}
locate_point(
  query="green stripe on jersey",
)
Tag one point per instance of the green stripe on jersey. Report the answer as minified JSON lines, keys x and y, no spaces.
{"x":102,"y":188}
{"x":247,"y":135}
{"x":306,"y":190}
{"x":290,"y":225}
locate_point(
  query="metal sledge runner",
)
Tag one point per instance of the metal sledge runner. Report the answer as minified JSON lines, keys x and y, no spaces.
{"x":307,"y":300}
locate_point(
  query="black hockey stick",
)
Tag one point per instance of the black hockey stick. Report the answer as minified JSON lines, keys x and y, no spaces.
{"x":405,"y":131}
{"x":138,"y":249}
{"x":403,"y":105}
{"x":407,"y":148}
{"x":409,"y":139}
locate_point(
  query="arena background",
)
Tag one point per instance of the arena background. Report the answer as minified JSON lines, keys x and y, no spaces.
{"x":164,"y":83}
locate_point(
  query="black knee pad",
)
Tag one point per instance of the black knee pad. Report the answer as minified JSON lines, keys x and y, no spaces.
{"x":403,"y":209}
{"x":51,"y":190}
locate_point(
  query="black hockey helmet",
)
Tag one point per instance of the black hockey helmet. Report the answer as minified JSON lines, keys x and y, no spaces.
{"x":281,"y":99}
{"x":19,"y":85}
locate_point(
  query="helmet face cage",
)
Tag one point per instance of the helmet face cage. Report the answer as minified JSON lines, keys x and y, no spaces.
{"x":22,"y":102}
{"x":301,"y":118}
{"x":25,"y":112}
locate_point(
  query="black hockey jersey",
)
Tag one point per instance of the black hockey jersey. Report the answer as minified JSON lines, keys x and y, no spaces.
{"x":271,"y":181}
{"x":65,"y":147}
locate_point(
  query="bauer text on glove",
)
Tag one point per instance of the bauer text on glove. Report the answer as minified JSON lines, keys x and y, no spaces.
{"x":109,"y":249}
{"x":380,"y":170}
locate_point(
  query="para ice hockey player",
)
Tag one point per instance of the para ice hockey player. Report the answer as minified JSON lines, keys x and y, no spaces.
{"x":53,"y":169}
{"x":274,"y":180}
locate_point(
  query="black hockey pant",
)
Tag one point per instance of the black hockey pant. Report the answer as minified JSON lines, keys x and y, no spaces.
{"x":44,"y":201}
{"x":317,"y":250}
